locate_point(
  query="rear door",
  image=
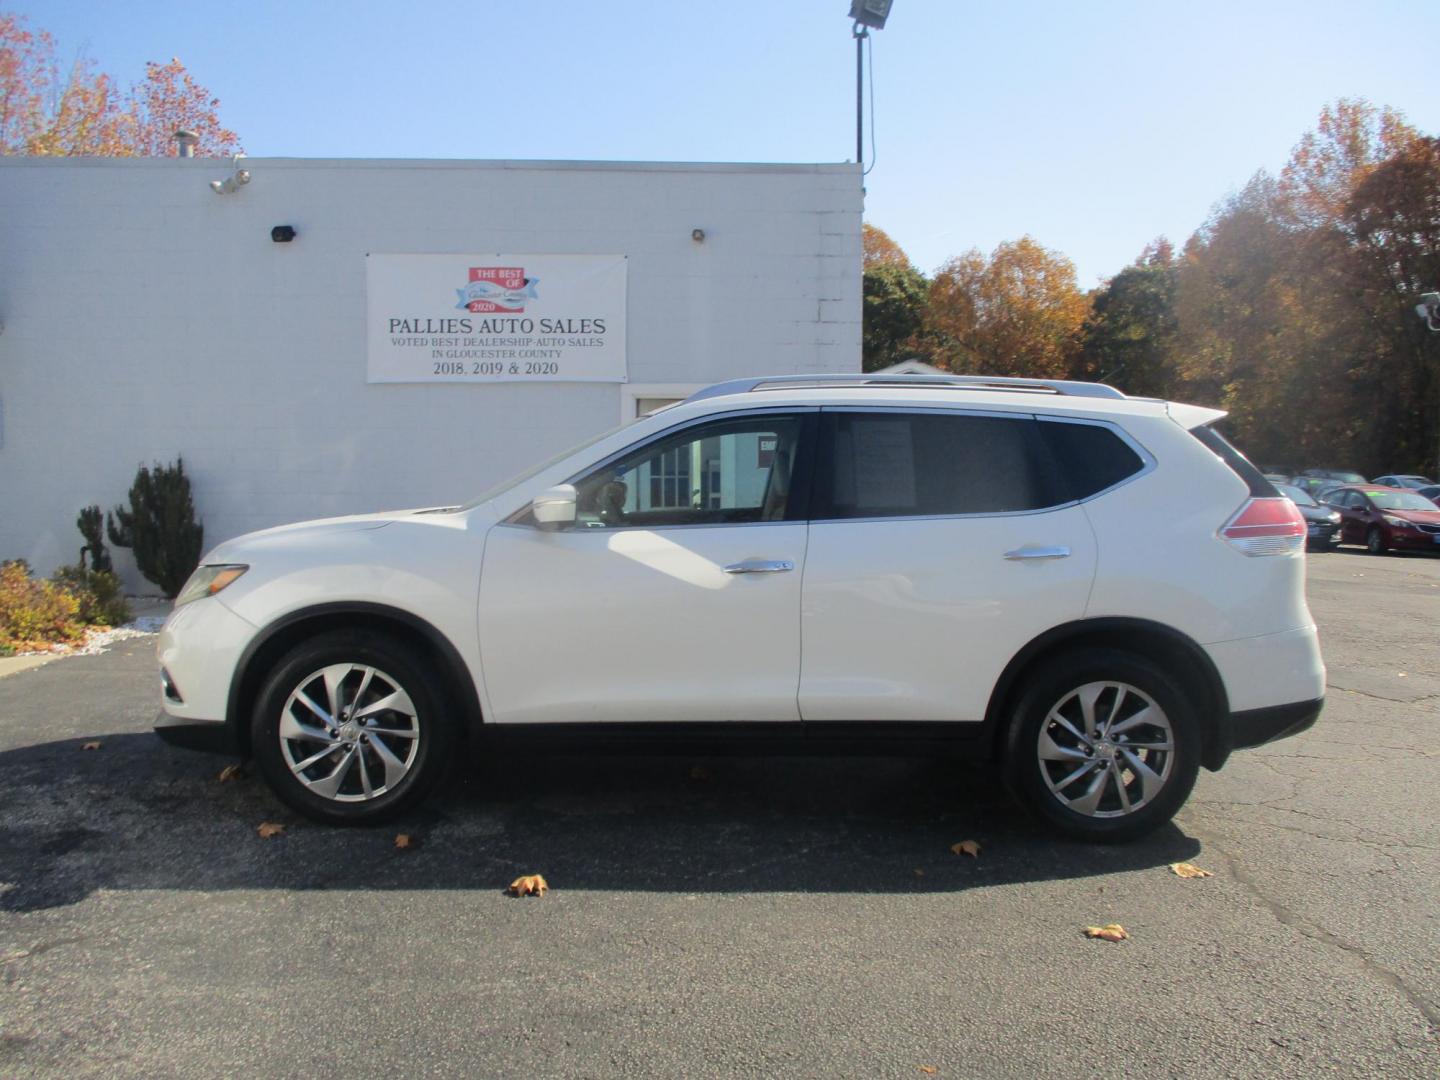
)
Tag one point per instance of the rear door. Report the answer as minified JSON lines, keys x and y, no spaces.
{"x":941,"y":543}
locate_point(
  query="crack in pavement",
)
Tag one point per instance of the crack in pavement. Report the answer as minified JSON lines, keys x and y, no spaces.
{"x":39,"y":950}
{"x":1303,"y":926}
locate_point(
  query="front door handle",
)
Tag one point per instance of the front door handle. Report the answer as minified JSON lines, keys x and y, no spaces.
{"x":760,"y":566}
{"x":1038,"y":553}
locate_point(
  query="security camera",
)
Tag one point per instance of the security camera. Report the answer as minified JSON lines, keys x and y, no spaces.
{"x":242,"y":176}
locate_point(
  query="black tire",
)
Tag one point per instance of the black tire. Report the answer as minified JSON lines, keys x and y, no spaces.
{"x":379,"y":743}
{"x":1057,"y":686}
{"x":1375,"y":541}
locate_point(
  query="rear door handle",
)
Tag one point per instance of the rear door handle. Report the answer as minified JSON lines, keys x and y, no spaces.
{"x":1038,"y":553}
{"x":760,"y":566}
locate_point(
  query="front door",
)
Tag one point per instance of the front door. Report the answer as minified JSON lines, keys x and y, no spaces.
{"x":676,"y":596}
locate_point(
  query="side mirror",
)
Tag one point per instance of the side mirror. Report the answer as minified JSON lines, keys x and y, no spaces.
{"x":554,"y":508}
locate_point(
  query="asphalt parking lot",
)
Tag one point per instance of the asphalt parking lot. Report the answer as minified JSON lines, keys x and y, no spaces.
{"x":731,"y":917}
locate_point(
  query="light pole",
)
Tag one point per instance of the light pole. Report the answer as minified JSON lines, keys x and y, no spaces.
{"x":866,"y":13}
{"x":1429,"y":310}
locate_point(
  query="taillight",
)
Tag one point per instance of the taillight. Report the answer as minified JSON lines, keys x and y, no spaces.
{"x":1266,"y":527}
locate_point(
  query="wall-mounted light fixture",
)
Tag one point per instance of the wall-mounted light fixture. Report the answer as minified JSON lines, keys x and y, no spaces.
{"x":282,"y":234}
{"x":698,"y":235}
{"x":235,"y":181}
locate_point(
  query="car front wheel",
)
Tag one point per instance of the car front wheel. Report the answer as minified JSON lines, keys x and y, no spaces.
{"x":350,"y":730}
{"x":1104,"y":745}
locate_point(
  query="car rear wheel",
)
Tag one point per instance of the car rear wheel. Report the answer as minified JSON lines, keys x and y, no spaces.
{"x":1375,"y":541}
{"x":1104,"y":745}
{"x":350,"y":730}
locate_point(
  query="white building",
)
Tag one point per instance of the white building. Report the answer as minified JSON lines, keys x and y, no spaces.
{"x":147,"y":316}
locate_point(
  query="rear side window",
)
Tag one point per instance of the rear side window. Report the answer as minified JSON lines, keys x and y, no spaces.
{"x":1089,"y":457}
{"x":1260,"y":488}
{"x":897,"y":464}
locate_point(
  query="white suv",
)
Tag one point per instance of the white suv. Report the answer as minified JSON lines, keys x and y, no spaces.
{"x":1096,"y":591}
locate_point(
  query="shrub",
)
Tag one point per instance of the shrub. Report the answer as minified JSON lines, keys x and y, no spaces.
{"x":98,"y":594}
{"x":91,"y":524}
{"x":160,"y":526}
{"x":35,"y":613}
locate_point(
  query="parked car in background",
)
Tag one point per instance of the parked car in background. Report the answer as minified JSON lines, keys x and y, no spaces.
{"x":1432,"y":493}
{"x":1322,"y":523}
{"x":1317,"y":481}
{"x":1401,"y":480}
{"x":1382,"y":518}
{"x":1345,"y":476}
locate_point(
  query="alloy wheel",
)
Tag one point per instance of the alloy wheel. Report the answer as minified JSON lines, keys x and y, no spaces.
{"x":1106,"y":749}
{"x":349,"y":732}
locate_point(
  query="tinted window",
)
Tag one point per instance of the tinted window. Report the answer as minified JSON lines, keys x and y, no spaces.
{"x":1090,"y":458}
{"x":729,"y":471}
{"x":896,"y":464}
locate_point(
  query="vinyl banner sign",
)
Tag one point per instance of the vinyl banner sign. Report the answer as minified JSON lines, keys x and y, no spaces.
{"x":495,"y":318}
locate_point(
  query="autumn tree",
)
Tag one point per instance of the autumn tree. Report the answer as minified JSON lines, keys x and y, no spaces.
{"x":1016,"y":312}
{"x":45,"y":111}
{"x":880,"y":250}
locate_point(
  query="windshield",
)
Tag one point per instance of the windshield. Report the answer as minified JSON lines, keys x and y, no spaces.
{"x":1295,"y":495}
{"x":535,"y":470}
{"x":1400,"y":500}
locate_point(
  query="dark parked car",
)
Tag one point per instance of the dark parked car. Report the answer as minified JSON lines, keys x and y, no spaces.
{"x":1385,"y":517}
{"x":1432,"y":493}
{"x":1315,"y":481}
{"x":1402,"y":480}
{"x":1322,"y":523}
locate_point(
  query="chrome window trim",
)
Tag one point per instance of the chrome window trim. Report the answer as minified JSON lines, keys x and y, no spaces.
{"x":605,"y":462}
{"x":1148,"y":462}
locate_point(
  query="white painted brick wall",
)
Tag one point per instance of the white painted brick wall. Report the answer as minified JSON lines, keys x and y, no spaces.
{"x":146,"y":317}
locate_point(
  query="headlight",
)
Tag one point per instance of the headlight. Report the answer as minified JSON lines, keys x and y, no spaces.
{"x":1335,"y":517}
{"x":207,"y":581}
{"x":1394,"y":522}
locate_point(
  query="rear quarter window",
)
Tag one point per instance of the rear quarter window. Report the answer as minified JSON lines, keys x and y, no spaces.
{"x":1089,"y":457}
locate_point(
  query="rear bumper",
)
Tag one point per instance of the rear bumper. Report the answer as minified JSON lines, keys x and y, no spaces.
{"x":1255,"y":727}
{"x":211,"y":736}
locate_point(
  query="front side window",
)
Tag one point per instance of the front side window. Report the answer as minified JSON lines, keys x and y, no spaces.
{"x":725,"y":472}
{"x":897,"y":464}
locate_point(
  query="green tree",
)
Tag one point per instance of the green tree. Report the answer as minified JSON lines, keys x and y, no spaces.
{"x":894,"y":311}
{"x":1129,"y":336}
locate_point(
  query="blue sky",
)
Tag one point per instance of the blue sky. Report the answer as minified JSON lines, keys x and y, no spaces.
{"x":1093,"y":127}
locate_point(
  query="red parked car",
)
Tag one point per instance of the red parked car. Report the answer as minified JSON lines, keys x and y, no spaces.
{"x":1382,"y":518}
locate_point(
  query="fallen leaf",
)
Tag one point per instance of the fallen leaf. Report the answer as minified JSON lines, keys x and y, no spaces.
{"x":90,"y":746}
{"x":699,"y":772}
{"x":268,"y":829}
{"x":928,"y":1070}
{"x":1189,"y":870}
{"x":405,"y":840}
{"x":919,"y":872}
{"x":1110,"y":932}
{"x":966,"y":847}
{"x":230,"y":772}
{"x":529,"y":885}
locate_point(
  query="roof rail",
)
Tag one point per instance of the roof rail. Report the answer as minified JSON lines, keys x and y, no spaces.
{"x":917,"y":382}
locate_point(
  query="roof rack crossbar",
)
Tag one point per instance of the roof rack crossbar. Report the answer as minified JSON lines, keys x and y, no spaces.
{"x":953,"y":382}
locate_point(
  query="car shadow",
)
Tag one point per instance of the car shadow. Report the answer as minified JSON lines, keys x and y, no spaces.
{"x":137,"y":814}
